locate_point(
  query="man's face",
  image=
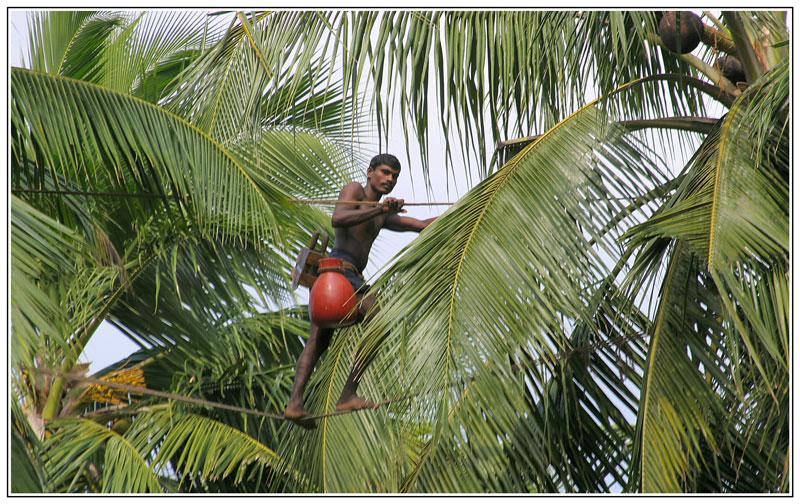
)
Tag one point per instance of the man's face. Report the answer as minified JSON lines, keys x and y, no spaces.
{"x":383,"y":178}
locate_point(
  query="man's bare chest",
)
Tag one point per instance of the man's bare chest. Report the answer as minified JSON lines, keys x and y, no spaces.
{"x":370,"y":228}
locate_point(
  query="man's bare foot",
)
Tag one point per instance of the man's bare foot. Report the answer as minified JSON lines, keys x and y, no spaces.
{"x":298,"y":414}
{"x":353,"y":403}
{"x":295,"y":412}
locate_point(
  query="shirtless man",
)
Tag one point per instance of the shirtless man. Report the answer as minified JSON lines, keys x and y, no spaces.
{"x":356,"y":226}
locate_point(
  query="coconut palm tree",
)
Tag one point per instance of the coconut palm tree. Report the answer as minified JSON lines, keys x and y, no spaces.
{"x":585,"y":319}
{"x":172,"y":221}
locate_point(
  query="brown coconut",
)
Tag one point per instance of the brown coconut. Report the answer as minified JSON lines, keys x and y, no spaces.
{"x":680,"y":31}
{"x":731,"y":68}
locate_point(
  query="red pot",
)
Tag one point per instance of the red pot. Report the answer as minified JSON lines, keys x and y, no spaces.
{"x":332,"y":302}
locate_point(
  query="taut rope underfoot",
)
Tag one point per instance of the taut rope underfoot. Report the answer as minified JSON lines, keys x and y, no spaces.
{"x":585,"y":349}
{"x":134,"y":389}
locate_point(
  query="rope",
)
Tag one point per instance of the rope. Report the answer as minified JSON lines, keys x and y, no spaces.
{"x":150,"y":195}
{"x":585,"y":349}
{"x":367,"y":203}
{"x":133,"y":389}
{"x":85,"y":193}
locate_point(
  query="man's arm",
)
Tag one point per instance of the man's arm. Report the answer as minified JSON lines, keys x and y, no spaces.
{"x":347,"y":215}
{"x":396,"y":222}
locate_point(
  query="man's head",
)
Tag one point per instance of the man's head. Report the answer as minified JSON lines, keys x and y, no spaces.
{"x":383,"y":172}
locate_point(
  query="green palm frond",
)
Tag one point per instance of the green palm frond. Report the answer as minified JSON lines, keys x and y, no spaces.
{"x":160,"y":80}
{"x":731,"y":211}
{"x":705,"y":400}
{"x":147,"y":39}
{"x":301,"y":163}
{"x":315,"y":103}
{"x":686,"y":215}
{"x":733,"y":206}
{"x":54,"y":34}
{"x":204,"y":449}
{"x":42,"y":251}
{"x":122,"y":147}
{"x":265,"y":65}
{"x":86,"y":47}
{"x":767,"y":111}
{"x":123,"y":51}
{"x":251,"y":366}
{"x":196,"y":448}
{"x":750,"y":201}
{"x":184,"y":295}
{"x":749,"y":229}
{"x":458,"y":343}
{"x":672,"y":425}
{"x":505,"y":74}
{"x":77,"y":443}
{"x":253,"y":354}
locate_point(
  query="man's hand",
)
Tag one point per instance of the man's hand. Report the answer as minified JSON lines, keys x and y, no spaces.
{"x":393,"y":206}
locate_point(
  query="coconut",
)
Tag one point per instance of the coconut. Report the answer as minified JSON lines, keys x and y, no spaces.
{"x":121,"y":425}
{"x":680,"y":31}
{"x":731,"y":68}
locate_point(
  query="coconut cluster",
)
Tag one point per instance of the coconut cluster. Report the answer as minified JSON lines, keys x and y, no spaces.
{"x":681,"y":32}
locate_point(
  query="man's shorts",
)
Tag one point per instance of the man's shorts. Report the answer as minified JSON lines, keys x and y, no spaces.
{"x":355,"y":279}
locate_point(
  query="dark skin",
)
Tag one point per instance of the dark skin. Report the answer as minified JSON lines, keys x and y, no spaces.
{"x":356,"y":227}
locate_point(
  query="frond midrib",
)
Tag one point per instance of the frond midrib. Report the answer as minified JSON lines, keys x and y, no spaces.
{"x":725,"y":132}
{"x":506,"y":173}
{"x":72,"y":40}
{"x":655,"y":338}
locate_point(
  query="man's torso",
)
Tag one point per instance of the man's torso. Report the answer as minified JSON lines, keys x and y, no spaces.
{"x":357,"y":240}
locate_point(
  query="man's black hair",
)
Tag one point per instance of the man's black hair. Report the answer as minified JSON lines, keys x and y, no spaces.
{"x":385,"y":159}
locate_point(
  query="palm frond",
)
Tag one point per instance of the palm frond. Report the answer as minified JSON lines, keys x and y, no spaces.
{"x":160,"y":79}
{"x":123,"y":51}
{"x":750,"y":201}
{"x":487,"y":67}
{"x":42,"y":250}
{"x":733,"y":204}
{"x":77,"y":443}
{"x":264,"y":65}
{"x":87,"y":48}
{"x":732,"y":210}
{"x":672,"y":425}
{"x":301,"y":163}
{"x":206,"y":450}
{"x":122,"y":147}
{"x":52,"y":35}
{"x":458,"y":345}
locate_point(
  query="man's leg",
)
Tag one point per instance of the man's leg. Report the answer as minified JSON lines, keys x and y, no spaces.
{"x":317,"y":343}
{"x":349,"y":400}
